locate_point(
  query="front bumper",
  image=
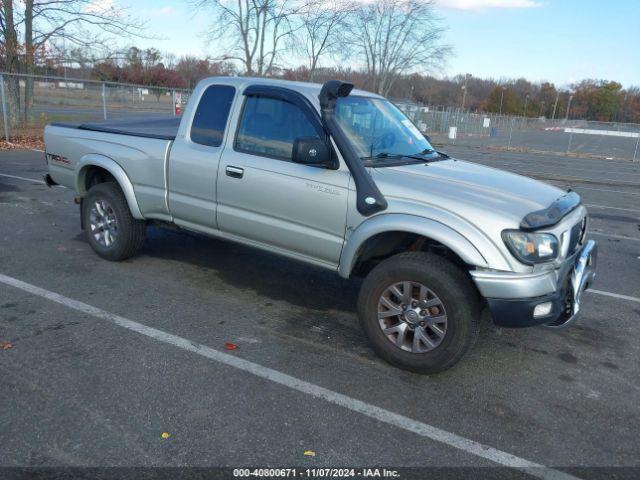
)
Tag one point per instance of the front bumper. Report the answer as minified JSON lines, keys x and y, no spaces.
{"x":512,"y":298}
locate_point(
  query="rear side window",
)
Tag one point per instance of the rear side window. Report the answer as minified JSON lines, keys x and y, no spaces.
{"x":269,"y":126}
{"x":211,"y":115}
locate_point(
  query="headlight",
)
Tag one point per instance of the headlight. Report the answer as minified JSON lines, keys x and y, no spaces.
{"x":531,"y":248}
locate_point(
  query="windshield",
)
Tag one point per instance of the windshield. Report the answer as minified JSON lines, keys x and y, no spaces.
{"x":378,"y":130}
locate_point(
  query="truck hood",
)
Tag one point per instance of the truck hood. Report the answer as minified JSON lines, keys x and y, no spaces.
{"x":469,"y":190}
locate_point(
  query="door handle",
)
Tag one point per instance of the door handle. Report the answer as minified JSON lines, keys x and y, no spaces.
{"x":235,"y":172}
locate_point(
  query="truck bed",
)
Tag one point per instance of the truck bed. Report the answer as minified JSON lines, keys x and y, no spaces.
{"x":164,"y":128}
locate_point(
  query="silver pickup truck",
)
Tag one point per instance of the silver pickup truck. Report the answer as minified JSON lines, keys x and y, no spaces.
{"x":341,"y":179}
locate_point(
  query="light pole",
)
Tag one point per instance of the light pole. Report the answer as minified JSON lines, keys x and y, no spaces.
{"x":568,"y":107}
{"x":555,"y":105}
{"x":501,"y":99}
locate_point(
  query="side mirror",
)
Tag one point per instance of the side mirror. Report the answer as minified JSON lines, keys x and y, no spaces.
{"x":312,"y":151}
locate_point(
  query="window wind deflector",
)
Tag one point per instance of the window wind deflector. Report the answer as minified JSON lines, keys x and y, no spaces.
{"x":278,"y":93}
{"x":551,"y":215}
{"x":287,"y":95}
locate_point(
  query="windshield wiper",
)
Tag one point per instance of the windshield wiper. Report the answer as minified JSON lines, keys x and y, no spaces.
{"x":381,"y":159}
{"x":413,"y":158}
{"x":429,"y":151}
{"x":400,"y":155}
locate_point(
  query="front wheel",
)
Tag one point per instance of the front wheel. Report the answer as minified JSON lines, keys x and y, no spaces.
{"x":111,"y":230}
{"x":420,"y":312}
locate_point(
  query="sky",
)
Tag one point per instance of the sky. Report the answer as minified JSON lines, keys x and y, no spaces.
{"x":562,"y":41}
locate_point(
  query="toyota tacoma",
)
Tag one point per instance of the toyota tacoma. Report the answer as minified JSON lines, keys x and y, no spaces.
{"x":341,"y":179}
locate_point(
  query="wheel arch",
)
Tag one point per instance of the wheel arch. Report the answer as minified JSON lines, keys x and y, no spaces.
{"x":93,"y":164}
{"x":385,"y":235}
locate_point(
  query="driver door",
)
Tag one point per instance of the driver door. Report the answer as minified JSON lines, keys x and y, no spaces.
{"x":267,"y":199}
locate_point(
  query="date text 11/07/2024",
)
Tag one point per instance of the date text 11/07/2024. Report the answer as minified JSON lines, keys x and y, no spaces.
{"x":315,"y":473}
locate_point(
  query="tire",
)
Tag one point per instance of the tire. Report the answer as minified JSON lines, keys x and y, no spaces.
{"x":455,"y":304}
{"x":127,"y":234}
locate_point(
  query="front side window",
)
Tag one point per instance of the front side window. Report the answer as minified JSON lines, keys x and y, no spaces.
{"x":269,"y":126}
{"x":378,"y":130}
{"x":211,"y":115}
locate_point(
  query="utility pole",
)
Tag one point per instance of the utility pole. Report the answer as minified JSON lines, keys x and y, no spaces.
{"x":501,"y":99}
{"x":526,"y":100}
{"x":464,"y":90}
{"x":555,"y":105}
{"x":64,"y":55}
{"x":568,"y":107}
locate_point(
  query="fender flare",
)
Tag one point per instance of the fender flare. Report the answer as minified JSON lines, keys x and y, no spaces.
{"x":410,"y":224}
{"x":111,"y":166}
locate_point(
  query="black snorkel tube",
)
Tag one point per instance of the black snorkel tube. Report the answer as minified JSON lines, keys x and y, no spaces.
{"x":369,"y":200}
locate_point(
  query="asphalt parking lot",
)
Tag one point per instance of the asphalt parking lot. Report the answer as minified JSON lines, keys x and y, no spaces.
{"x":106,"y":356}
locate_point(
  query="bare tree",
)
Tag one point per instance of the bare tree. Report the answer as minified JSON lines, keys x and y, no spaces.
{"x":11,"y":51}
{"x":170,"y":59}
{"x":82,"y":23}
{"x":397,"y":37}
{"x":256,"y":30}
{"x":322,"y":22}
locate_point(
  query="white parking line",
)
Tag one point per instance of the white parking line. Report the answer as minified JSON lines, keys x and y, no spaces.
{"x":22,"y":178}
{"x":615,"y":295}
{"x":611,"y":208}
{"x":550,"y":178}
{"x":633,"y":170}
{"x":611,"y":235}
{"x":606,"y":190}
{"x":355,"y":405}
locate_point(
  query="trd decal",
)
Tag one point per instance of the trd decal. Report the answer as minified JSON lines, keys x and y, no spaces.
{"x":58,"y":159}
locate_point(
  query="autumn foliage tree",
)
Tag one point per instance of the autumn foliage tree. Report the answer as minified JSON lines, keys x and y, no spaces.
{"x":504,"y":100}
{"x":597,"y":100}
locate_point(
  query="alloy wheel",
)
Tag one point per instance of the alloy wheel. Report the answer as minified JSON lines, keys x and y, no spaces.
{"x":103,"y":223}
{"x":412,"y":317}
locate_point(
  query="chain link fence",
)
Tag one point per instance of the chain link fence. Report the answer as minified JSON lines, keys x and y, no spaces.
{"x":29,"y":102}
{"x":452,"y":126}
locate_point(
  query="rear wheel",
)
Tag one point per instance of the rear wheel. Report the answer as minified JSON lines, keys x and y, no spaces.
{"x":110,"y":228}
{"x":420,"y":312}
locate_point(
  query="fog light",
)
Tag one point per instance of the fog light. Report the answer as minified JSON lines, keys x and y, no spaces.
{"x":542,"y":310}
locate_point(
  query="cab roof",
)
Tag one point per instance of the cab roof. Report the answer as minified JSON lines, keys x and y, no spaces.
{"x":310,"y":90}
